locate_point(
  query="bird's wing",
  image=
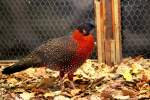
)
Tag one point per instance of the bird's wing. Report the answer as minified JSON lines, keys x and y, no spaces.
{"x":58,"y":51}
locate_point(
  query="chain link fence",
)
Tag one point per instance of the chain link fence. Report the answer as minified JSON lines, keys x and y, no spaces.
{"x":136,"y":27}
{"x":25,"y":24}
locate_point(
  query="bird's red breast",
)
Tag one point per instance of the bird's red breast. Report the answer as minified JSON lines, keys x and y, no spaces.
{"x":85,"y":45}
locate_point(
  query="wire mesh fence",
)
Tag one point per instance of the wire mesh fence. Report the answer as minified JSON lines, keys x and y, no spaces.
{"x":25,"y":24}
{"x":136,"y":27}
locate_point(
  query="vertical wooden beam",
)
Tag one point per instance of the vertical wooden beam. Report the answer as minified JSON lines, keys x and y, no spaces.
{"x":107,"y":49}
{"x":117,"y":29}
{"x":108,"y":21}
{"x":99,"y":10}
{"x":113,"y":52}
{"x":108,"y":31}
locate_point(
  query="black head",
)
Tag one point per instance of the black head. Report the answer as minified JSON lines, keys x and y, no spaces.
{"x":86,"y":28}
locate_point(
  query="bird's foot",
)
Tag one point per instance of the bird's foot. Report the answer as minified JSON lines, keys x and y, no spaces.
{"x":72,"y":85}
{"x":62,"y":87}
{"x":70,"y":77}
{"x":66,"y":84}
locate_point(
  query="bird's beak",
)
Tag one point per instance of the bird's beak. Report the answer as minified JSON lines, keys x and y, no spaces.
{"x":92,"y":22}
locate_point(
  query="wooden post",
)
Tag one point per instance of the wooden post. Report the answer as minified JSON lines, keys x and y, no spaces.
{"x":117,"y":29}
{"x":100,"y":28}
{"x":108,"y":31}
{"x":113,"y":52}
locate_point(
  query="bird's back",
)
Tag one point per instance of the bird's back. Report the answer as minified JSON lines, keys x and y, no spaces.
{"x":57,"y":52}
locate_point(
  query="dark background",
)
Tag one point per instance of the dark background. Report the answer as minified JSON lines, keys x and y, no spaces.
{"x":135,"y":27}
{"x":25,"y":24}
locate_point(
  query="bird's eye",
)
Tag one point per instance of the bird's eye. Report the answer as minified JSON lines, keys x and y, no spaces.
{"x":84,"y":31}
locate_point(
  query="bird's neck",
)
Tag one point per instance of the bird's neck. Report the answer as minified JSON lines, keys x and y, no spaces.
{"x":77,"y":35}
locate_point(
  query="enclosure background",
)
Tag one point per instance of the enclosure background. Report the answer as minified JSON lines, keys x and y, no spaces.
{"x":25,"y":24}
{"x":135,"y":27}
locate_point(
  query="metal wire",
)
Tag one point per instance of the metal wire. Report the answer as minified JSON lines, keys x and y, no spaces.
{"x":25,"y":24}
{"x":136,"y":27}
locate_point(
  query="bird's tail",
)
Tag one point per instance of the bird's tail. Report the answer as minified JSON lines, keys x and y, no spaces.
{"x":29,"y":61}
{"x":14,"y":68}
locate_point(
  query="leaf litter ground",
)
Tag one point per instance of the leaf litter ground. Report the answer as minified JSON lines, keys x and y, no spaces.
{"x":130,"y":80}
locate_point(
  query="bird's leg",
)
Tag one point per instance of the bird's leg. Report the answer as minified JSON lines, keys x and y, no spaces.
{"x":70,"y":77}
{"x":61,"y":76}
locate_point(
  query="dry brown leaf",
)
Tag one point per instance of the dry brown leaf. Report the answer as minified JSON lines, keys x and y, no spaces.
{"x":49,"y":94}
{"x":26,"y":95}
{"x":126,"y":60}
{"x":75,"y":91}
{"x":144,"y":78}
{"x":95,"y":97}
{"x":106,"y":94}
{"x":47,"y":82}
{"x":136,"y":68}
{"x":40,"y":72}
{"x":129,"y":92}
{"x":61,"y":98}
{"x":116,"y":84}
{"x":21,"y":75}
{"x":137,"y":58}
{"x":120,"y":97}
{"x":39,"y":90}
{"x":19,"y":90}
{"x":88,"y":80}
{"x":125,"y":71}
{"x":12,"y":80}
{"x":1,"y":75}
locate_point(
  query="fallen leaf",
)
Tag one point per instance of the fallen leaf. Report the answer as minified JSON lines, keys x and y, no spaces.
{"x":47,"y":82}
{"x":12,"y":80}
{"x":125,"y":71}
{"x":106,"y":93}
{"x":26,"y":95}
{"x":61,"y":98}
{"x":38,"y":90}
{"x":94,"y":97}
{"x":30,"y":71}
{"x":137,"y":58}
{"x":129,"y":92}
{"x":49,"y":94}
{"x":120,"y":97}
{"x":136,"y":68}
{"x":19,"y":90}
{"x":75,"y":92}
{"x":1,"y":75}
